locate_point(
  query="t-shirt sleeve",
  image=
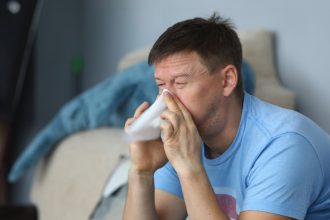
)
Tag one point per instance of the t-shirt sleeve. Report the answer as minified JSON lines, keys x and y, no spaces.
{"x":285,"y":178}
{"x":166,"y":179}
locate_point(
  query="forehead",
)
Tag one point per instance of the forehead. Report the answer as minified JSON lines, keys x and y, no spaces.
{"x":179,"y":63}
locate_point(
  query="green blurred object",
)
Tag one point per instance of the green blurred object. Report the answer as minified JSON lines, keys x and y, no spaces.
{"x":77,"y":64}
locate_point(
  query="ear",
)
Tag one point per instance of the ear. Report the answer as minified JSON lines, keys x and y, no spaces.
{"x":229,"y":79}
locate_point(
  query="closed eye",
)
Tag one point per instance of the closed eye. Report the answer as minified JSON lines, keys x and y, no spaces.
{"x":161,"y":86}
{"x":180,"y":84}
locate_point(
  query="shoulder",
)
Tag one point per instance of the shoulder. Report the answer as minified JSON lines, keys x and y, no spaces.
{"x":271,"y":121}
{"x":267,"y":124}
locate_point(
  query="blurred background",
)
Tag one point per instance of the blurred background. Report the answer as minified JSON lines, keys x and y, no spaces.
{"x":52,"y":50}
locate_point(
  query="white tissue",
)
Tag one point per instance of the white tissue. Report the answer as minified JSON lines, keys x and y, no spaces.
{"x":147,"y":126}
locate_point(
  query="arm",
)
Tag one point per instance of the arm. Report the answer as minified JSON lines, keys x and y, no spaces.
{"x":199,"y":196}
{"x":140,"y":198}
{"x":142,"y":201}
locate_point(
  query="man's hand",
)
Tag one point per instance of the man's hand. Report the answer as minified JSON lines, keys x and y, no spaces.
{"x":147,"y":156}
{"x":181,"y":140}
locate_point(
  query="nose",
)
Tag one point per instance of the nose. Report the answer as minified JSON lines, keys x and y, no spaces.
{"x":161,"y":91}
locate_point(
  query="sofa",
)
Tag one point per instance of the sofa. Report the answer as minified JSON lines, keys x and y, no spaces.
{"x":68,"y":184}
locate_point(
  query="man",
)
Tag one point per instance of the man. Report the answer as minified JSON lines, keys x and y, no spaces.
{"x":224,"y":154}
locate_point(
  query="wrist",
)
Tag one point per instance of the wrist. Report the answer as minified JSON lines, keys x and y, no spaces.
{"x":191,"y":172}
{"x":134,"y":170}
{"x":138,"y":177}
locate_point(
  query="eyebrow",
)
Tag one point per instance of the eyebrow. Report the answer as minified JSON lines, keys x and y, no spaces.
{"x":186,"y":75}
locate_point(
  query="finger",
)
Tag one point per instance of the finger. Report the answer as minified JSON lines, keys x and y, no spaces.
{"x":177,"y":106}
{"x":129,"y":122}
{"x":141,"y":109}
{"x":137,"y":113}
{"x":186,"y":114}
{"x":170,"y":103}
{"x":172,"y":117}
{"x":166,"y":129}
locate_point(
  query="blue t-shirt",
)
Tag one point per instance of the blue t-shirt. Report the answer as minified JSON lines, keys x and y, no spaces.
{"x":279,"y":162}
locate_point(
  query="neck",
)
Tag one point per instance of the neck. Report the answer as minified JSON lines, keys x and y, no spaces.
{"x":218,"y":143}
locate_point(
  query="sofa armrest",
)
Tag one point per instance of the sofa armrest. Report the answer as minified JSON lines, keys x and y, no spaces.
{"x":69,"y":183}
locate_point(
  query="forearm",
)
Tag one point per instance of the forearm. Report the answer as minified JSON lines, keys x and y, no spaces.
{"x":199,"y":197}
{"x":140,"y":203}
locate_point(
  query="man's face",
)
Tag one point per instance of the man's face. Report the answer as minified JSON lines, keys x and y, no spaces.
{"x":200,"y":92}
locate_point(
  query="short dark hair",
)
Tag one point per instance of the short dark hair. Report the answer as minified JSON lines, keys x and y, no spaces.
{"x":213,"y":39}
